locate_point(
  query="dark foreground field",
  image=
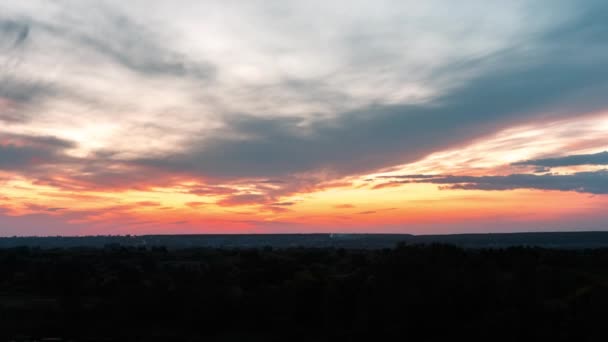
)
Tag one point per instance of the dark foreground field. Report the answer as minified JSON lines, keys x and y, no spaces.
{"x":417,"y":293}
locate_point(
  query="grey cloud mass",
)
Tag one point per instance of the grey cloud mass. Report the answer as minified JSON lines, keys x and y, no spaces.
{"x":543,"y":76}
{"x":13,"y":33}
{"x":572,"y":160}
{"x":111,"y":35}
{"x":27,"y":153}
{"x":548,"y":78}
{"x":18,"y":94}
{"x":120,"y":39}
{"x":584,"y":182}
{"x":90,"y":36}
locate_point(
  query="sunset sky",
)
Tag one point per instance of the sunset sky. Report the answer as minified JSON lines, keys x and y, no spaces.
{"x":184,"y":116}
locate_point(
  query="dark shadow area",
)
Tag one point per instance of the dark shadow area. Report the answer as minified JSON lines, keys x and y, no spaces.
{"x":562,"y":240}
{"x":412,"y":292}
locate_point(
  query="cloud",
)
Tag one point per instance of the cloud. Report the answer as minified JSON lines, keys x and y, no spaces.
{"x":407,"y":176}
{"x":13,"y":34}
{"x":571,"y":160}
{"x":45,"y":160}
{"x":595,"y":182}
{"x":283,"y":204}
{"x":544,"y":78}
{"x":23,"y":153}
{"x":93,"y":44}
{"x":110,"y":34}
{"x":387,"y":185}
{"x":120,"y":39}
{"x":17,"y":95}
{"x":210,"y":190}
{"x":243,"y":199}
{"x":537,"y":77}
{"x":41,"y":208}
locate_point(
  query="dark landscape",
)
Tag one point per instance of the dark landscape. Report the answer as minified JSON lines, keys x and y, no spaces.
{"x":305,"y":288}
{"x":569,"y":240}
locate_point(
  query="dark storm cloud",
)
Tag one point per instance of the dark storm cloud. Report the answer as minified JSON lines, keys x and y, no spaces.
{"x":572,"y":160}
{"x":548,"y":78}
{"x":584,"y":182}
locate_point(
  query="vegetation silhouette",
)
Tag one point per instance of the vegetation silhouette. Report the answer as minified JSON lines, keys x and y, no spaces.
{"x":411,"y":292}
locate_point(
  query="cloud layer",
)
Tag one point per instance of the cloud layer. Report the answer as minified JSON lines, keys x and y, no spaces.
{"x":273,"y":107}
{"x":572,"y":160}
{"x":584,"y":182}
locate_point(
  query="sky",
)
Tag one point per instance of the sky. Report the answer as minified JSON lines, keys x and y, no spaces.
{"x":184,"y":116}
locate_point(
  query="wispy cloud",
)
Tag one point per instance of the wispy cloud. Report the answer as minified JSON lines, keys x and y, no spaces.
{"x":571,"y":160}
{"x":595,"y":182}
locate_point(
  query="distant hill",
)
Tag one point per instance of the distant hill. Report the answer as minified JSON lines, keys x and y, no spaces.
{"x":566,"y":240}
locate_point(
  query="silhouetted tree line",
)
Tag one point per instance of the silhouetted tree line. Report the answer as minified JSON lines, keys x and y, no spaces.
{"x":418,"y":293}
